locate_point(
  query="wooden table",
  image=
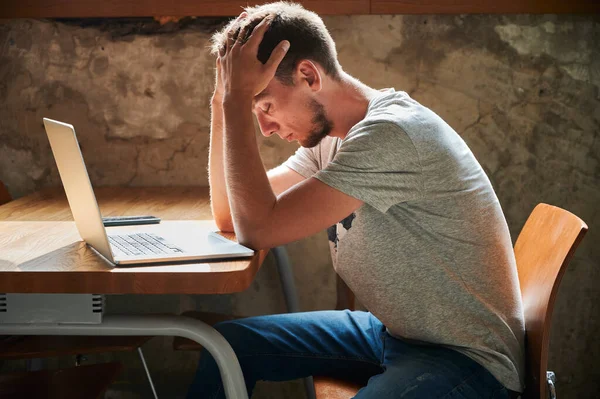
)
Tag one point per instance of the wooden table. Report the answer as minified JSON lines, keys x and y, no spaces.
{"x":38,"y":237}
{"x":41,"y":253}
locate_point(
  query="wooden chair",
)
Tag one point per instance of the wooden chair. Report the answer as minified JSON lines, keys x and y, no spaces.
{"x":34,"y":347}
{"x":543,"y":250}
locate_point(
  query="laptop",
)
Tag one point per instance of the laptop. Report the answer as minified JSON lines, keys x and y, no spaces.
{"x":170,"y":241}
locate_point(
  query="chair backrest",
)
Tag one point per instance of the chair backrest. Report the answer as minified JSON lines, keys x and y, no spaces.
{"x":543,"y":249}
{"x":4,"y":194}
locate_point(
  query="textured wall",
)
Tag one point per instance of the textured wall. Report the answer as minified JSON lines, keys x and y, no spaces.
{"x":523,"y":91}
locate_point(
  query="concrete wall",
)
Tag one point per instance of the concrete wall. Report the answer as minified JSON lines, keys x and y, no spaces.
{"x":523,"y":91}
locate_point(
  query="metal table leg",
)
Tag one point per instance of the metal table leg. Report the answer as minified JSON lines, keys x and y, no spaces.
{"x":145,"y":325}
{"x":148,"y":376}
{"x":286,"y":275}
{"x":284,"y":267}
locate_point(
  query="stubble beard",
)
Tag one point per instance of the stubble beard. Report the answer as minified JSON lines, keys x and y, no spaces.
{"x":321,"y":128}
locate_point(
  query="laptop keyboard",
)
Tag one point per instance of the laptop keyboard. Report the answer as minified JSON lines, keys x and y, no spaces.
{"x":141,"y":244}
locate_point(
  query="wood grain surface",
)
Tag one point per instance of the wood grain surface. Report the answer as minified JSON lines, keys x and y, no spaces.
{"x":42,"y":252}
{"x":214,"y":8}
{"x":151,"y":8}
{"x":543,"y":251}
{"x":483,"y":6}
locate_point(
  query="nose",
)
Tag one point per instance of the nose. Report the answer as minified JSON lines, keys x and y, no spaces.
{"x":267,"y":125}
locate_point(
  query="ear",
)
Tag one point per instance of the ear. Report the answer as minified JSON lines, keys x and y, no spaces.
{"x":308,"y":73}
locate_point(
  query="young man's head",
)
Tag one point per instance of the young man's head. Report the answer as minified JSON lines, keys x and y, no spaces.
{"x":290,"y":106}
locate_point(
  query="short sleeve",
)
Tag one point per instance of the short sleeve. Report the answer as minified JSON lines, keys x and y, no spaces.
{"x":305,"y":161}
{"x":376,"y":163}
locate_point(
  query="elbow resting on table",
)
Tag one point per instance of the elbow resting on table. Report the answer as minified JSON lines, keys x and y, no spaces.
{"x":250,"y":241}
{"x":224,"y":224}
{"x":248,"y":237}
{"x":252,"y":237}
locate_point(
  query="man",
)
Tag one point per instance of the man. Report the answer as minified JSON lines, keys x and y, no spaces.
{"x":416,"y":229}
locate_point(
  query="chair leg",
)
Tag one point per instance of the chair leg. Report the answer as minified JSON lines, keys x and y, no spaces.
{"x":139,"y":350}
{"x":284,"y":267}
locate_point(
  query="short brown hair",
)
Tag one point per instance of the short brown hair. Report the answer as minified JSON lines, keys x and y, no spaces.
{"x":305,"y":30}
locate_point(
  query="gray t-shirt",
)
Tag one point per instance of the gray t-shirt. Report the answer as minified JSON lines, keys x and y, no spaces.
{"x":429,"y":253}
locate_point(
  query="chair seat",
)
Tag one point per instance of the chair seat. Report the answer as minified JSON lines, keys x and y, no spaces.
{"x":329,"y":388}
{"x":83,"y":382}
{"x":184,"y":344}
{"x":32,"y":346}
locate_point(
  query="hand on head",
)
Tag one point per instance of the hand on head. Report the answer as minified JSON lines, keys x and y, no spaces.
{"x":239,"y":71}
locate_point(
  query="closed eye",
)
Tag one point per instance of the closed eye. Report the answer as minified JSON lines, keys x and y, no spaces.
{"x":267,"y":108}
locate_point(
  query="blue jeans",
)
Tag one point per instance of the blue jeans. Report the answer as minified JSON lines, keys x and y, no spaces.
{"x":347,"y":345}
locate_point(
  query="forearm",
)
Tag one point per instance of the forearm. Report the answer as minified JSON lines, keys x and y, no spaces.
{"x":216,"y":175}
{"x":251,"y":196}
